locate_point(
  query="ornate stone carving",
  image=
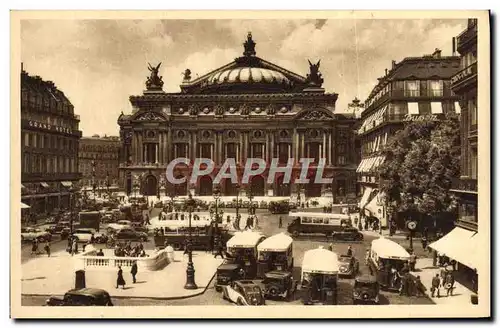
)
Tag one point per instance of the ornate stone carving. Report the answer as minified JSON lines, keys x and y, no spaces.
{"x":150,"y":116}
{"x":187,"y":75}
{"x":244,"y":109}
{"x":271,"y":110}
{"x":219,"y":110}
{"x":314,"y":77}
{"x":193,"y":109}
{"x":249,"y":46}
{"x":154,"y":81}
{"x":315,"y":116}
{"x":127,"y":138}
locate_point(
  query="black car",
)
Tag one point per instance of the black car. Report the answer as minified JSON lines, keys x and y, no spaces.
{"x":347,"y":234}
{"x":226,"y":274}
{"x":279,"y":284}
{"x":131,"y":234}
{"x":366,"y":290}
{"x":82,"y":297}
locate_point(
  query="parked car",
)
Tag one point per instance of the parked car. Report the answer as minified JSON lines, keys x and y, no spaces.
{"x":30,"y":234}
{"x":226,"y":274}
{"x":83,"y":235}
{"x":130,"y":234}
{"x":366,"y":290}
{"x":82,"y":297}
{"x":121,"y":224}
{"x":279,"y":284}
{"x":348,"y":266}
{"x":347,"y":234}
{"x":243,"y":292}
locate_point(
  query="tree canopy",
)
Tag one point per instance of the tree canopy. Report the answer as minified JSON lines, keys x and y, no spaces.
{"x":421,"y":161}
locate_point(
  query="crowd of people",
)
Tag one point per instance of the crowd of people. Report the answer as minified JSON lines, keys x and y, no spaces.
{"x":127,"y":250}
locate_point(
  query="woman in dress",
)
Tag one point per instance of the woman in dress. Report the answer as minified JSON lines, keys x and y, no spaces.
{"x":119,"y":280}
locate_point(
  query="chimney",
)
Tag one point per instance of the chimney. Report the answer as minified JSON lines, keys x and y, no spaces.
{"x":22,"y":67}
{"x":386,"y":72}
{"x":453,"y":46}
{"x":437,"y":53}
{"x":393,"y":63}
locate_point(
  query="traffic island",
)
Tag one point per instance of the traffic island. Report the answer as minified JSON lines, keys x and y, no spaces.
{"x":56,"y":275}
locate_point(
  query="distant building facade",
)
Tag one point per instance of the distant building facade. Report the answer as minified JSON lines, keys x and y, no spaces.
{"x":49,"y":145}
{"x":249,"y":108}
{"x":99,"y":161}
{"x":417,"y":88}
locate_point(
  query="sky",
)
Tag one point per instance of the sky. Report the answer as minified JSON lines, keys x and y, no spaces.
{"x":98,"y":64}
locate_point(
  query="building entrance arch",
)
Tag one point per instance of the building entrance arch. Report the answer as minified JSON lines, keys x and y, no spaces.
{"x":205,"y":186}
{"x":258,"y":185}
{"x":150,"y":186}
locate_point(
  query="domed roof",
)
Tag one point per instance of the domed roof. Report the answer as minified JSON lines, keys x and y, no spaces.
{"x":247,"y":75}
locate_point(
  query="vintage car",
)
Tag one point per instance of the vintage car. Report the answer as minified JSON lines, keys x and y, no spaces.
{"x":279,"y":284}
{"x":243,"y":292}
{"x":366,"y":290}
{"x":112,"y":227}
{"x":30,"y":234}
{"x":347,"y":234}
{"x":51,"y":220}
{"x":226,"y":274}
{"x":83,"y":235}
{"x":348,"y":266}
{"x":82,"y":297}
{"x":130,"y":234}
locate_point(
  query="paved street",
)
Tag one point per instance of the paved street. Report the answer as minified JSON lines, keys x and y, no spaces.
{"x":268,"y":224}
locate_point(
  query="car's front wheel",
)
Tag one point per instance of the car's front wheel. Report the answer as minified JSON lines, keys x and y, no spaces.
{"x":239,"y":301}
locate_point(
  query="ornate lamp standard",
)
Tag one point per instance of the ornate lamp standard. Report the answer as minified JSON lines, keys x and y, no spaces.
{"x":250,"y":198}
{"x":237,"y":187}
{"x":216,"y":195}
{"x":190,"y":283}
{"x":107,"y":184}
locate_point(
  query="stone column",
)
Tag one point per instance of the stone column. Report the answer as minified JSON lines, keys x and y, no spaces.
{"x":332,"y":148}
{"x":160,"y":147}
{"x":272,"y":151}
{"x":240,"y":147}
{"x":302,"y":145}
{"x":169,"y":145}
{"x":325,"y":150}
{"x":221,"y":154}
{"x":157,"y":153}
{"x":195,"y":145}
{"x":295,"y":145}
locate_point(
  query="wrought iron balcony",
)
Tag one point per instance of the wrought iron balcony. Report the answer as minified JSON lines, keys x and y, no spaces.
{"x":48,"y":177}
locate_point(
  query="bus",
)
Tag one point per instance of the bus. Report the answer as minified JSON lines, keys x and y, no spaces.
{"x":318,"y":223}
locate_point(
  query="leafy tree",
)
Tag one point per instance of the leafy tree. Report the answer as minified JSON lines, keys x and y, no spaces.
{"x":421,"y":161}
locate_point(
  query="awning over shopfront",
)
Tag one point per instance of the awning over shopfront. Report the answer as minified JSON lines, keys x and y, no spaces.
{"x":24,"y":205}
{"x":366,"y":196}
{"x":67,"y":183}
{"x":375,"y":206}
{"x":459,"y":244}
{"x":44,"y":184}
{"x":22,"y":186}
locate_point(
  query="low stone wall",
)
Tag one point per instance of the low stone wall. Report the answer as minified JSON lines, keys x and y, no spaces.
{"x":89,"y":260}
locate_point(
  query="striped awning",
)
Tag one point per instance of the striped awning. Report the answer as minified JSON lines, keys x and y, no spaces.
{"x":67,"y":183}
{"x":23,"y":205}
{"x":44,"y":184}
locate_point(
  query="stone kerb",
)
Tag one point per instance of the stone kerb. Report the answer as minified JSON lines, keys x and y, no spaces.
{"x":88,"y":260}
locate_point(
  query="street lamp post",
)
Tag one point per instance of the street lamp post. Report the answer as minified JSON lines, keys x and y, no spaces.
{"x":237,"y":187}
{"x":190,"y":282}
{"x":216,"y":194}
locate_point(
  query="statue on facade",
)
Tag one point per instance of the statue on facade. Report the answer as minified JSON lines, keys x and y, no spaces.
{"x":249,"y":46}
{"x":244,"y":110}
{"x":187,"y":75}
{"x":219,"y":110}
{"x":193,"y":109}
{"x":154,"y":81}
{"x":271,"y":110}
{"x":314,"y":77}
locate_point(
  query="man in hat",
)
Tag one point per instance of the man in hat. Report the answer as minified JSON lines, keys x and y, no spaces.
{"x":449,"y":282}
{"x":133,"y":271}
{"x":435,"y":285}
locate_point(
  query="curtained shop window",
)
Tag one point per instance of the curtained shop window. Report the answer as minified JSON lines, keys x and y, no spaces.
{"x":412,"y":88}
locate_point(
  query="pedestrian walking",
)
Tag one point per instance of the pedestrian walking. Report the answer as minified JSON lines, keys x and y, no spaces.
{"x":34,"y":246}
{"x":133,"y":271}
{"x":367,"y":256}
{"x":92,"y":239}
{"x":220,"y":250}
{"x":75,"y":247}
{"x":119,"y":279}
{"x":449,"y":283}
{"x":280,"y":222}
{"x":413,"y":261}
{"x":330,"y":247}
{"x":419,"y":287}
{"x":435,"y":285}
{"x":47,"y":248}
{"x":424,"y":242}
{"x":349,"y":251}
